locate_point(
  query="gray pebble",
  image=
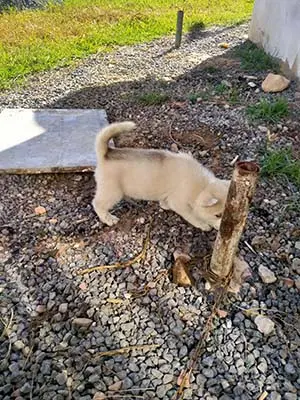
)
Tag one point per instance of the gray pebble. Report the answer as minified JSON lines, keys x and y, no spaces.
{"x":275,"y":396}
{"x":63,"y":308}
{"x":127,"y":383}
{"x":250,"y":360}
{"x":209,"y":372}
{"x":26,"y":388}
{"x":156,"y":373}
{"x":94,"y":378}
{"x":290,"y":396}
{"x":208,"y":361}
{"x":82,"y":322}
{"x":128,"y":327}
{"x":201,"y":380}
{"x":165,"y":368}
{"x":263,"y":367}
{"x":290,"y":370}
{"x":225,"y":397}
{"x":183,"y":351}
{"x":61,"y":378}
{"x":162,"y":390}
{"x":46,"y":367}
{"x":167,"y":378}
{"x":133,"y":367}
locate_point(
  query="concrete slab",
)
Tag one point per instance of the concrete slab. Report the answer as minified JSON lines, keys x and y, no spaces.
{"x":49,"y":140}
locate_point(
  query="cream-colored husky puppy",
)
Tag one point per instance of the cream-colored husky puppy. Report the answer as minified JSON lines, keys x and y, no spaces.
{"x":177,"y":181}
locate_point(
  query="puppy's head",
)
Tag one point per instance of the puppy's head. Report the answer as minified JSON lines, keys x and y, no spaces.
{"x":211,"y":202}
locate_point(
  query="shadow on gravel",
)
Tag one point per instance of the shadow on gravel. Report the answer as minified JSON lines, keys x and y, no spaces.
{"x":198,"y":31}
{"x":63,"y":321}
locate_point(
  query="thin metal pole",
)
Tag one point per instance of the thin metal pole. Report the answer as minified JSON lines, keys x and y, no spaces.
{"x":179,"y":26}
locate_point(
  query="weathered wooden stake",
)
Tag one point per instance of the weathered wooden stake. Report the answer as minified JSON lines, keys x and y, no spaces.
{"x":240,"y":194}
{"x":179,"y":26}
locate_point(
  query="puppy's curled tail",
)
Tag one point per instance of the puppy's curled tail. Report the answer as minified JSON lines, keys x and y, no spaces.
{"x":108,"y":133}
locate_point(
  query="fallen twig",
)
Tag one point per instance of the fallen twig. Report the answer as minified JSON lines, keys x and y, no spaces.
{"x":234,"y":160}
{"x":263,"y":395}
{"x":7,"y":326}
{"x":79,"y":221}
{"x":5,"y":332}
{"x":199,"y":137}
{"x":126,"y":350}
{"x":250,"y":247}
{"x":123,"y":264}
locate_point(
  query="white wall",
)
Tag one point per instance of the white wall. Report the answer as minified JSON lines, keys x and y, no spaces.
{"x":275,"y":25}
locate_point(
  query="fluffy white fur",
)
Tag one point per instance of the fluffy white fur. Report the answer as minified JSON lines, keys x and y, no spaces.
{"x":176,"y":180}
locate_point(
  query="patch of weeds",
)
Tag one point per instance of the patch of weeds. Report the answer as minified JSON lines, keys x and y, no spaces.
{"x":151,"y":99}
{"x":281,"y":164}
{"x":195,"y":30}
{"x":221,"y":88}
{"x":255,"y":59}
{"x":211,"y":69}
{"x":234,"y":97}
{"x":293,"y":204}
{"x":193,"y":97}
{"x":268,"y":110}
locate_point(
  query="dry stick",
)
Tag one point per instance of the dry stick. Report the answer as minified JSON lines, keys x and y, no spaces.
{"x":240,"y":194}
{"x":124,"y":264}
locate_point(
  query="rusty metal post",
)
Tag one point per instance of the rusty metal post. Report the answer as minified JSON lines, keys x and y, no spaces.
{"x":240,"y":194}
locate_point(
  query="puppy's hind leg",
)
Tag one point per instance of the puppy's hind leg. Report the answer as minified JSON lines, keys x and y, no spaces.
{"x":106,"y":197}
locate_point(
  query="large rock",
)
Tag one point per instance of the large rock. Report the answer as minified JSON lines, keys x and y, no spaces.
{"x":275,"y":83}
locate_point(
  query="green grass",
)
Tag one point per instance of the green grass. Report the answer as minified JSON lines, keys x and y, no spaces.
{"x":150,"y":99}
{"x":281,"y":164}
{"x":270,"y":111}
{"x":234,"y":97}
{"x":37,"y":40}
{"x":211,"y":69}
{"x":193,"y":97}
{"x":221,"y":88}
{"x":255,"y":59}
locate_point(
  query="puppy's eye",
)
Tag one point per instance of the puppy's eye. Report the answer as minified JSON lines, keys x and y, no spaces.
{"x":219,"y":215}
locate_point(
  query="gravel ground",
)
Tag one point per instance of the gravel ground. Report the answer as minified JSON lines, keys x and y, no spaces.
{"x":55,"y":323}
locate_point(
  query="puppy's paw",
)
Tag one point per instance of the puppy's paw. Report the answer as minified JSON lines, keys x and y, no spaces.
{"x":164,"y":205}
{"x":112,"y":220}
{"x":217,"y":224}
{"x":109,"y":219}
{"x":205,"y":227}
